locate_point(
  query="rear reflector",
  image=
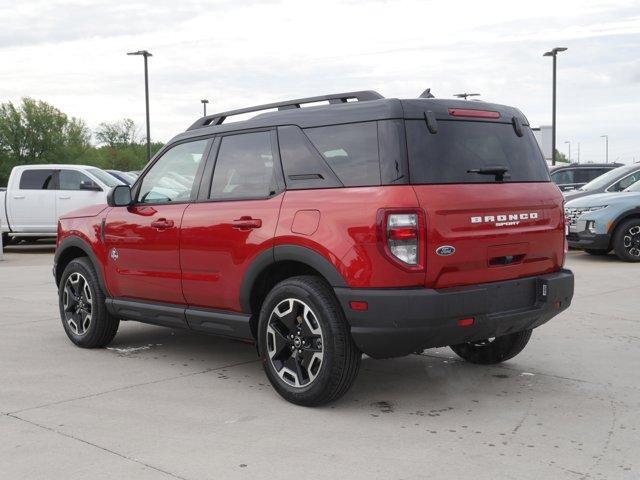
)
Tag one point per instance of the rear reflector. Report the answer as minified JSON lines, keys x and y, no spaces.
{"x":466,"y":322}
{"x":466,"y":112}
{"x":359,"y":305}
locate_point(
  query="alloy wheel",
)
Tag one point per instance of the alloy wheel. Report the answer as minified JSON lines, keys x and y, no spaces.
{"x":295,"y":343}
{"x":77,"y":300}
{"x":631,"y":241}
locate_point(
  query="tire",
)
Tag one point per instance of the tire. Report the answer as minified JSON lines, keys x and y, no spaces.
{"x":6,"y":240}
{"x":83,"y":312}
{"x":300,"y":369}
{"x":491,"y":351}
{"x":626,"y":240}
{"x":596,"y":252}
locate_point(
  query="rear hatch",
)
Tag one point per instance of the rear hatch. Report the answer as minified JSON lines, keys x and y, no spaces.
{"x":485,"y":189}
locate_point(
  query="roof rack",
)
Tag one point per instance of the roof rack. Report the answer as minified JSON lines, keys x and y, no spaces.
{"x":219,"y":118}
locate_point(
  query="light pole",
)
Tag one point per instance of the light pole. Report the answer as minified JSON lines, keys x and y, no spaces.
{"x":146,"y":55}
{"x":569,"y":150}
{"x":554,"y":53}
{"x":606,"y":139}
{"x":204,"y":102}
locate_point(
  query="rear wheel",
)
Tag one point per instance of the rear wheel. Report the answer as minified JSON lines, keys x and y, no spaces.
{"x":594,"y":251}
{"x":305,"y":344}
{"x":84,"y":315}
{"x":493,"y":350}
{"x":626,"y":240}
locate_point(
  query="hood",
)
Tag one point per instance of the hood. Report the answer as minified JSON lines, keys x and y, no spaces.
{"x":89,"y":211}
{"x":599,"y":199}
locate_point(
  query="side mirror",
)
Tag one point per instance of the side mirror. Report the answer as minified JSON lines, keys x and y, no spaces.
{"x":89,"y":185}
{"x":119,"y":196}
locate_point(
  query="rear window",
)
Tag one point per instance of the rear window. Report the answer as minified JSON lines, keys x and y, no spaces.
{"x":37,"y":179}
{"x":460,"y":146}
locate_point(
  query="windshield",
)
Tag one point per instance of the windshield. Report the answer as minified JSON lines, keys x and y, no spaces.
{"x":459,"y":149}
{"x":604,"y":180}
{"x":106,"y":178}
{"x":633,"y":188}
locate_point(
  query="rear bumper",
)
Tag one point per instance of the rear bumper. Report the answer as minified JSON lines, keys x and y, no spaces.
{"x":581,"y":240}
{"x":402,"y":321}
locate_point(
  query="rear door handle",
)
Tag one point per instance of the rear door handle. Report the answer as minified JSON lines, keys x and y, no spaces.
{"x":65,"y":198}
{"x":162,"y":224}
{"x":247,"y":223}
{"x":19,"y":197}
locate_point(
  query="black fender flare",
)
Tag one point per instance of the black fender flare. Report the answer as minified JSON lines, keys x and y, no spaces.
{"x":281,"y":253}
{"x":77,"y":242}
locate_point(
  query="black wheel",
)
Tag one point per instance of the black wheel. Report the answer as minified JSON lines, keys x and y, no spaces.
{"x":84,"y":315}
{"x":493,"y":350}
{"x":626,"y":240}
{"x":6,"y":239}
{"x":304,"y":341}
{"x":596,"y":252}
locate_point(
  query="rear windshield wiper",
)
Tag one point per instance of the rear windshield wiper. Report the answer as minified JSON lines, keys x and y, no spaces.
{"x":500,"y":171}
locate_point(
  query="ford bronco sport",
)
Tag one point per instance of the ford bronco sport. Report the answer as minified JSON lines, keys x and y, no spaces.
{"x":364,"y":225}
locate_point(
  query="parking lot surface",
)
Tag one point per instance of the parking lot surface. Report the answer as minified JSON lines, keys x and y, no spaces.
{"x":162,"y":404}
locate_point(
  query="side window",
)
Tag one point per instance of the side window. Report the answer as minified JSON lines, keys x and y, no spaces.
{"x":350,"y":150}
{"x":562,"y":177}
{"x":244,"y":168}
{"x":171,"y":178}
{"x":71,"y":179}
{"x":37,"y":179}
{"x":625,"y":182}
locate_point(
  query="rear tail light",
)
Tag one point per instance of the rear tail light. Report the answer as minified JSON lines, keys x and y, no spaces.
{"x":401,"y":236}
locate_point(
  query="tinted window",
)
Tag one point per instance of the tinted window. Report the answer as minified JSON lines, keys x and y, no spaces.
{"x":171,"y":178}
{"x":244,"y":167}
{"x":40,"y":179}
{"x":350,"y":150}
{"x":585,"y":175}
{"x":303,"y":166}
{"x":459,"y":146}
{"x":625,"y":182}
{"x":562,"y":177}
{"x":71,"y":179}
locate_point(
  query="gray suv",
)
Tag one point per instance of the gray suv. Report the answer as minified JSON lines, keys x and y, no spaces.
{"x":600,"y":223}
{"x":613,"y":181}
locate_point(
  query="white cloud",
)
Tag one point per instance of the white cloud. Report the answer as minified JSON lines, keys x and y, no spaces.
{"x":72,"y":54}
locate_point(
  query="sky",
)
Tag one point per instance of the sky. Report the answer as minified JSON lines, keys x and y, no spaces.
{"x":244,"y":52}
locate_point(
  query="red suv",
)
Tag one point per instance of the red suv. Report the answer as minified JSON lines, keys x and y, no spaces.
{"x":364,"y":225}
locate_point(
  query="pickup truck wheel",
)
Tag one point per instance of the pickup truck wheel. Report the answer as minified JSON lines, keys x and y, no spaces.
{"x":6,"y":239}
{"x":626,"y":240}
{"x":84,"y":315}
{"x":305,"y":344}
{"x":493,"y":350}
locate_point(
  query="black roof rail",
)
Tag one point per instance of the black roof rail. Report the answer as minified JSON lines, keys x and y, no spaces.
{"x":219,"y":118}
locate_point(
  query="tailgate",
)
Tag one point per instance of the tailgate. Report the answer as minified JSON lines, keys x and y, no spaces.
{"x":499,"y":231}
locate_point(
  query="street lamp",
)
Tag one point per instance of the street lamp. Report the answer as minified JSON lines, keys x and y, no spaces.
{"x":204,"y":102}
{"x":466,"y":95}
{"x":569,"y":150}
{"x":554,"y":53}
{"x":606,"y":139}
{"x":146,"y":55}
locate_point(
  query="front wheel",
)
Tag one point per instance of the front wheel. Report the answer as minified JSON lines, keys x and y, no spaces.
{"x":84,"y":315}
{"x":305,"y":344}
{"x":626,"y":240}
{"x":493,"y":350}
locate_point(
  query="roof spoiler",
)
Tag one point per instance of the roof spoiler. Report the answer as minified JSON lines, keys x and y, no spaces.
{"x":219,"y":118}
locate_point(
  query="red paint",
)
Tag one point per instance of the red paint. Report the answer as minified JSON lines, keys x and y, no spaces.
{"x":466,"y":322}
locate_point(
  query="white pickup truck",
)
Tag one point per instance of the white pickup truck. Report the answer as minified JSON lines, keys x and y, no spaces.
{"x":37,"y":195}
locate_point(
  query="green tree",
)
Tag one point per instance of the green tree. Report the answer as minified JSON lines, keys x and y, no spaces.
{"x":117,"y":134}
{"x":561,"y":157}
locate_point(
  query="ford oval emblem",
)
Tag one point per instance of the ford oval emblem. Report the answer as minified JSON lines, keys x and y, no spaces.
{"x":445,"y":250}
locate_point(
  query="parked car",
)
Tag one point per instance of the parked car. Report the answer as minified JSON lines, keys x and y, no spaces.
{"x":615,"y":180}
{"x":368,"y":225}
{"x":37,"y":195}
{"x":606,"y":221}
{"x":124,"y":177}
{"x":575,"y":175}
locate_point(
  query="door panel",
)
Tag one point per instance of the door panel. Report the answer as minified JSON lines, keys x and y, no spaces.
{"x":146,"y":265}
{"x":31,"y":206}
{"x":217,"y":246}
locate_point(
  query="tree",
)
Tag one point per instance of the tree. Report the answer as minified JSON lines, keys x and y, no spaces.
{"x":117,"y":134}
{"x":561,"y":157}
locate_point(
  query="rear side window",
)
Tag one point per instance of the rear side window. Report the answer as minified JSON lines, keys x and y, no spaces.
{"x":40,"y":179}
{"x":244,"y":168}
{"x":460,"y":146}
{"x":350,"y":150}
